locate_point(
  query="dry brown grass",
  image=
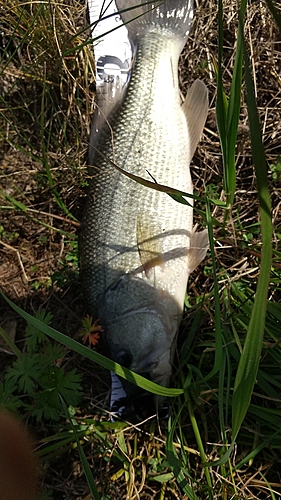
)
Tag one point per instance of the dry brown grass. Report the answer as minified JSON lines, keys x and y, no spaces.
{"x":47,"y":97}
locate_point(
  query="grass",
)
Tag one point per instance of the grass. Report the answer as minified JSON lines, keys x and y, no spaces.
{"x":222,"y":438}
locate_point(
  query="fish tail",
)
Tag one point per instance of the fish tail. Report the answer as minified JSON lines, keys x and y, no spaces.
{"x":139,"y":16}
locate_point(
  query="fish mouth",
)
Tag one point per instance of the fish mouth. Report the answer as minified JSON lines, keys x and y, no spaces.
{"x":133,"y":404}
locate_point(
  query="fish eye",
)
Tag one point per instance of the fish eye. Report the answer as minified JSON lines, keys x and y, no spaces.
{"x":124,"y":358}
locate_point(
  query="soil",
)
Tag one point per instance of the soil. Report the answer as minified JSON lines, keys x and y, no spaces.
{"x":38,"y":238}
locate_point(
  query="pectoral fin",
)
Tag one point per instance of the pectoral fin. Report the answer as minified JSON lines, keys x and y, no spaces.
{"x":195,"y":108}
{"x":199,"y":244}
{"x":149,"y":243}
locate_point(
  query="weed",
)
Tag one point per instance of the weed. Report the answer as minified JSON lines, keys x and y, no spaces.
{"x":90,"y":330}
{"x":68,"y":269}
{"x":276,"y":169}
{"x":41,"y":284}
{"x":9,"y":236}
{"x":230,"y":335}
{"x":39,"y":378}
{"x":42,"y":240}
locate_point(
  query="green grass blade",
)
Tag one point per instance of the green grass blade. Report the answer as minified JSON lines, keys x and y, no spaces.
{"x":222,"y":104}
{"x":228,"y":113}
{"x":17,"y":204}
{"x":103,"y":17}
{"x":45,"y":162}
{"x":218,"y":331}
{"x":249,"y":361}
{"x":176,"y":464}
{"x":249,"y":456}
{"x":94,"y":356}
{"x":9,"y":342}
{"x":275,"y":13}
{"x":22,"y":40}
{"x":199,"y":444}
{"x":233,"y":114}
{"x":84,"y":461}
{"x":176,"y":194}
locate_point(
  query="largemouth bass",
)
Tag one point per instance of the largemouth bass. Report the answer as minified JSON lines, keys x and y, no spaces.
{"x":137,"y":244}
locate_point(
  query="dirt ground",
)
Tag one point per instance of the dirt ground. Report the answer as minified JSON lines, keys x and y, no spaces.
{"x":38,"y":240}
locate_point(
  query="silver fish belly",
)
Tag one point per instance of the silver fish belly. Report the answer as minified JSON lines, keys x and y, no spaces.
{"x":137,"y":245}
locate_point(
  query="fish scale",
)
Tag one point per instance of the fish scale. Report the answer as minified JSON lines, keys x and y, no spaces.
{"x":137,"y":245}
{"x":113,"y":222}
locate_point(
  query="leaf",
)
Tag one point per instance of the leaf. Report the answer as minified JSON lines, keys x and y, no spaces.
{"x":178,"y":196}
{"x":35,"y":335}
{"x":41,"y":409}
{"x":163,"y":478}
{"x":227,"y":112}
{"x":56,"y":382}
{"x":218,"y":329}
{"x":50,"y":354}
{"x":7,"y":398}
{"x":24,"y":373}
{"x":249,"y":361}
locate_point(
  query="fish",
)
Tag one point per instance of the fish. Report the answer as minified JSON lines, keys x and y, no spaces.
{"x":138,"y":245}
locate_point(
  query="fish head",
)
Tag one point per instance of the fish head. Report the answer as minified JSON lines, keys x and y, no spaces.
{"x":142,"y":342}
{"x":140,"y":324}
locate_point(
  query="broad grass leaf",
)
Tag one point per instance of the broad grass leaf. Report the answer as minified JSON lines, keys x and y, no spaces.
{"x":163,"y":478}
{"x":270,"y":415}
{"x":227,"y":112}
{"x":249,"y":361}
{"x":274,"y":309}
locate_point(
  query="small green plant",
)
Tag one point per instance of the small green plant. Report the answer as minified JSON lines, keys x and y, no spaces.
{"x":72,"y":254}
{"x":38,"y":377}
{"x":40,"y":284}
{"x":67,"y":269}
{"x":213,"y":191}
{"x":8,"y":236}
{"x":276,"y":169}
{"x":2,"y":231}
{"x":42,"y":240}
